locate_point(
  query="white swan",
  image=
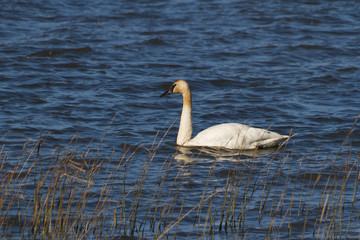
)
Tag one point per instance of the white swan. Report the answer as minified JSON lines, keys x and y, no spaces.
{"x":226,"y":135}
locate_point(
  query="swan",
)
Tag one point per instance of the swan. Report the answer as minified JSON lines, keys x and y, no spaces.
{"x":226,"y":135}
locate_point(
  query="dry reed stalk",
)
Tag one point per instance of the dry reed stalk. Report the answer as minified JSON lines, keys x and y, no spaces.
{"x":68,"y":202}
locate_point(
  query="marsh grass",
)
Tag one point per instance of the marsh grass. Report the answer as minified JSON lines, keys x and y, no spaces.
{"x":139,"y":193}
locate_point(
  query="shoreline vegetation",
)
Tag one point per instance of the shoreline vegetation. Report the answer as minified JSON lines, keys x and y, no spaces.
{"x":81,"y":194}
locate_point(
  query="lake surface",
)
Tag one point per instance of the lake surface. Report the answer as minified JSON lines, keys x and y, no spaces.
{"x":97,"y":67}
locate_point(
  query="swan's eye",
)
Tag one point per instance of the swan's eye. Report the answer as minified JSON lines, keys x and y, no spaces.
{"x":172,"y":87}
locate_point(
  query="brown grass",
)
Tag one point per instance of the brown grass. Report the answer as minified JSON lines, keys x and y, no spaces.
{"x":83,"y":194}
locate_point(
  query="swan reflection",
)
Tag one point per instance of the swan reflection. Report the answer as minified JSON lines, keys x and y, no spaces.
{"x":191,"y":154}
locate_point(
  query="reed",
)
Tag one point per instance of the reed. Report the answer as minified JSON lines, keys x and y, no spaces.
{"x":82,"y":194}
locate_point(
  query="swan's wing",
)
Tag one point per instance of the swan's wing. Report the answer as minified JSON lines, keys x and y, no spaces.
{"x":257,"y":137}
{"x":235,"y":136}
{"x":222,"y":135}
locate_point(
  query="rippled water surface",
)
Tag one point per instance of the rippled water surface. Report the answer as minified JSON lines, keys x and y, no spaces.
{"x":96,"y":67}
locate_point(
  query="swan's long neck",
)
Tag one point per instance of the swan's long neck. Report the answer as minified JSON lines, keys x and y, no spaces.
{"x":185,"y":129}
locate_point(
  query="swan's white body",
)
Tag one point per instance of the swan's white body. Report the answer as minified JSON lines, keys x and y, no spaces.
{"x":226,"y":135}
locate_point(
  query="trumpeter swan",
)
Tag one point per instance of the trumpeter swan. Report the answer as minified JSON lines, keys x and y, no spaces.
{"x":226,"y":135}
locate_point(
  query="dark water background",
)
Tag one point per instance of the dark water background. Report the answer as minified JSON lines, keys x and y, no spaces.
{"x":68,"y":67}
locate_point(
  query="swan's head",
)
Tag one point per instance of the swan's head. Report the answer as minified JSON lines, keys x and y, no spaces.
{"x":179,"y":86}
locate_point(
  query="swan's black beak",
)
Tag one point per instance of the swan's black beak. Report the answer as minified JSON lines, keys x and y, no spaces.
{"x":168,"y":92}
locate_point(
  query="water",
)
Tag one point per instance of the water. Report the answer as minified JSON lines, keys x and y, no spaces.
{"x":70,"y":68}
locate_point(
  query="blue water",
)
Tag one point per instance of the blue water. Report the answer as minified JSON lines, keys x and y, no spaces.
{"x":98,"y":67}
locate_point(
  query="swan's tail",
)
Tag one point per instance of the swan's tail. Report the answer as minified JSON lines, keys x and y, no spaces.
{"x":272,"y":142}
